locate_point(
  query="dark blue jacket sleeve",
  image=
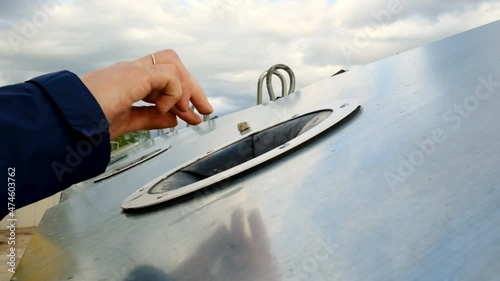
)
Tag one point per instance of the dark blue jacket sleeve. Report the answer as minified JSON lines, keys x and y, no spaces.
{"x":54,"y":134}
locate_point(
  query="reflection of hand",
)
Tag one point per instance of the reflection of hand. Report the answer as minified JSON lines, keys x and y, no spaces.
{"x":167,"y":84}
{"x":249,"y":257}
{"x":230,"y":254}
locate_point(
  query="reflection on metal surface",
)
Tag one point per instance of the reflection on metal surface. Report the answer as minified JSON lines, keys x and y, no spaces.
{"x":115,"y":159}
{"x":130,"y":164}
{"x":206,"y":117}
{"x":325,"y":212}
{"x":239,"y":156}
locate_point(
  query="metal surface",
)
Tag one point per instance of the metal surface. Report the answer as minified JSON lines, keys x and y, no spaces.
{"x":406,"y":189}
{"x":337,"y":110}
{"x":124,"y":167}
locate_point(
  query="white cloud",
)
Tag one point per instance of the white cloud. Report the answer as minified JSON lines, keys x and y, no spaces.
{"x":227,"y":44}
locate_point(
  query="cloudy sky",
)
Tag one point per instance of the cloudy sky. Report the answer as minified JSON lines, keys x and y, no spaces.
{"x":226,"y":44}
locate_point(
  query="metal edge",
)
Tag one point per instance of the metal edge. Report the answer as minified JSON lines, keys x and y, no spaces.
{"x":142,"y":199}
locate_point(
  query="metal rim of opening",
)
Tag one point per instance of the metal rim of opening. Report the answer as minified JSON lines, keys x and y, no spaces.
{"x":142,"y":198}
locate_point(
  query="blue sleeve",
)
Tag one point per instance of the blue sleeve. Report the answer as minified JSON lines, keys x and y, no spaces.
{"x":54,"y":134}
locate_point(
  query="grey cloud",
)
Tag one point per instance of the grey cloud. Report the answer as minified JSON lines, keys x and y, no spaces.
{"x":432,"y":10}
{"x":14,"y":10}
{"x":90,"y":34}
{"x":380,"y":10}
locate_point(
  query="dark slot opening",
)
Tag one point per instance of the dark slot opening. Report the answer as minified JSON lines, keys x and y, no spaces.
{"x":240,"y":152}
{"x":127,"y":166}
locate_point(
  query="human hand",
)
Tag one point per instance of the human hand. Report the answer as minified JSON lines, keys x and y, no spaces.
{"x":167,"y":84}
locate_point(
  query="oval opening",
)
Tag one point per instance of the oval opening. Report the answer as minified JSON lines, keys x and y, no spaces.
{"x":240,"y":152}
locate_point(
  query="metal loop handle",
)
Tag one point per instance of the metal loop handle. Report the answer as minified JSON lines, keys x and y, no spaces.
{"x":271,"y":94}
{"x":269,"y":80}
{"x":268,"y":75}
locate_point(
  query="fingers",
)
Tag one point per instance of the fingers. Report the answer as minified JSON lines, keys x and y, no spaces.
{"x":191,"y":90}
{"x":237,"y":227}
{"x":166,"y":89}
{"x":171,"y":57}
{"x":199,"y":99}
{"x":190,"y":117}
{"x":148,"y":118}
{"x":258,"y":229}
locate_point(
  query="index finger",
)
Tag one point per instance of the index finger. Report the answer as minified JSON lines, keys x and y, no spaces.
{"x":199,"y":99}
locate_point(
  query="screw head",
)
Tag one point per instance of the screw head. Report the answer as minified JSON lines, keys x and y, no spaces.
{"x":161,"y":195}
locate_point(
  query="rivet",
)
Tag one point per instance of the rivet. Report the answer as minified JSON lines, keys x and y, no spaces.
{"x":161,"y":195}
